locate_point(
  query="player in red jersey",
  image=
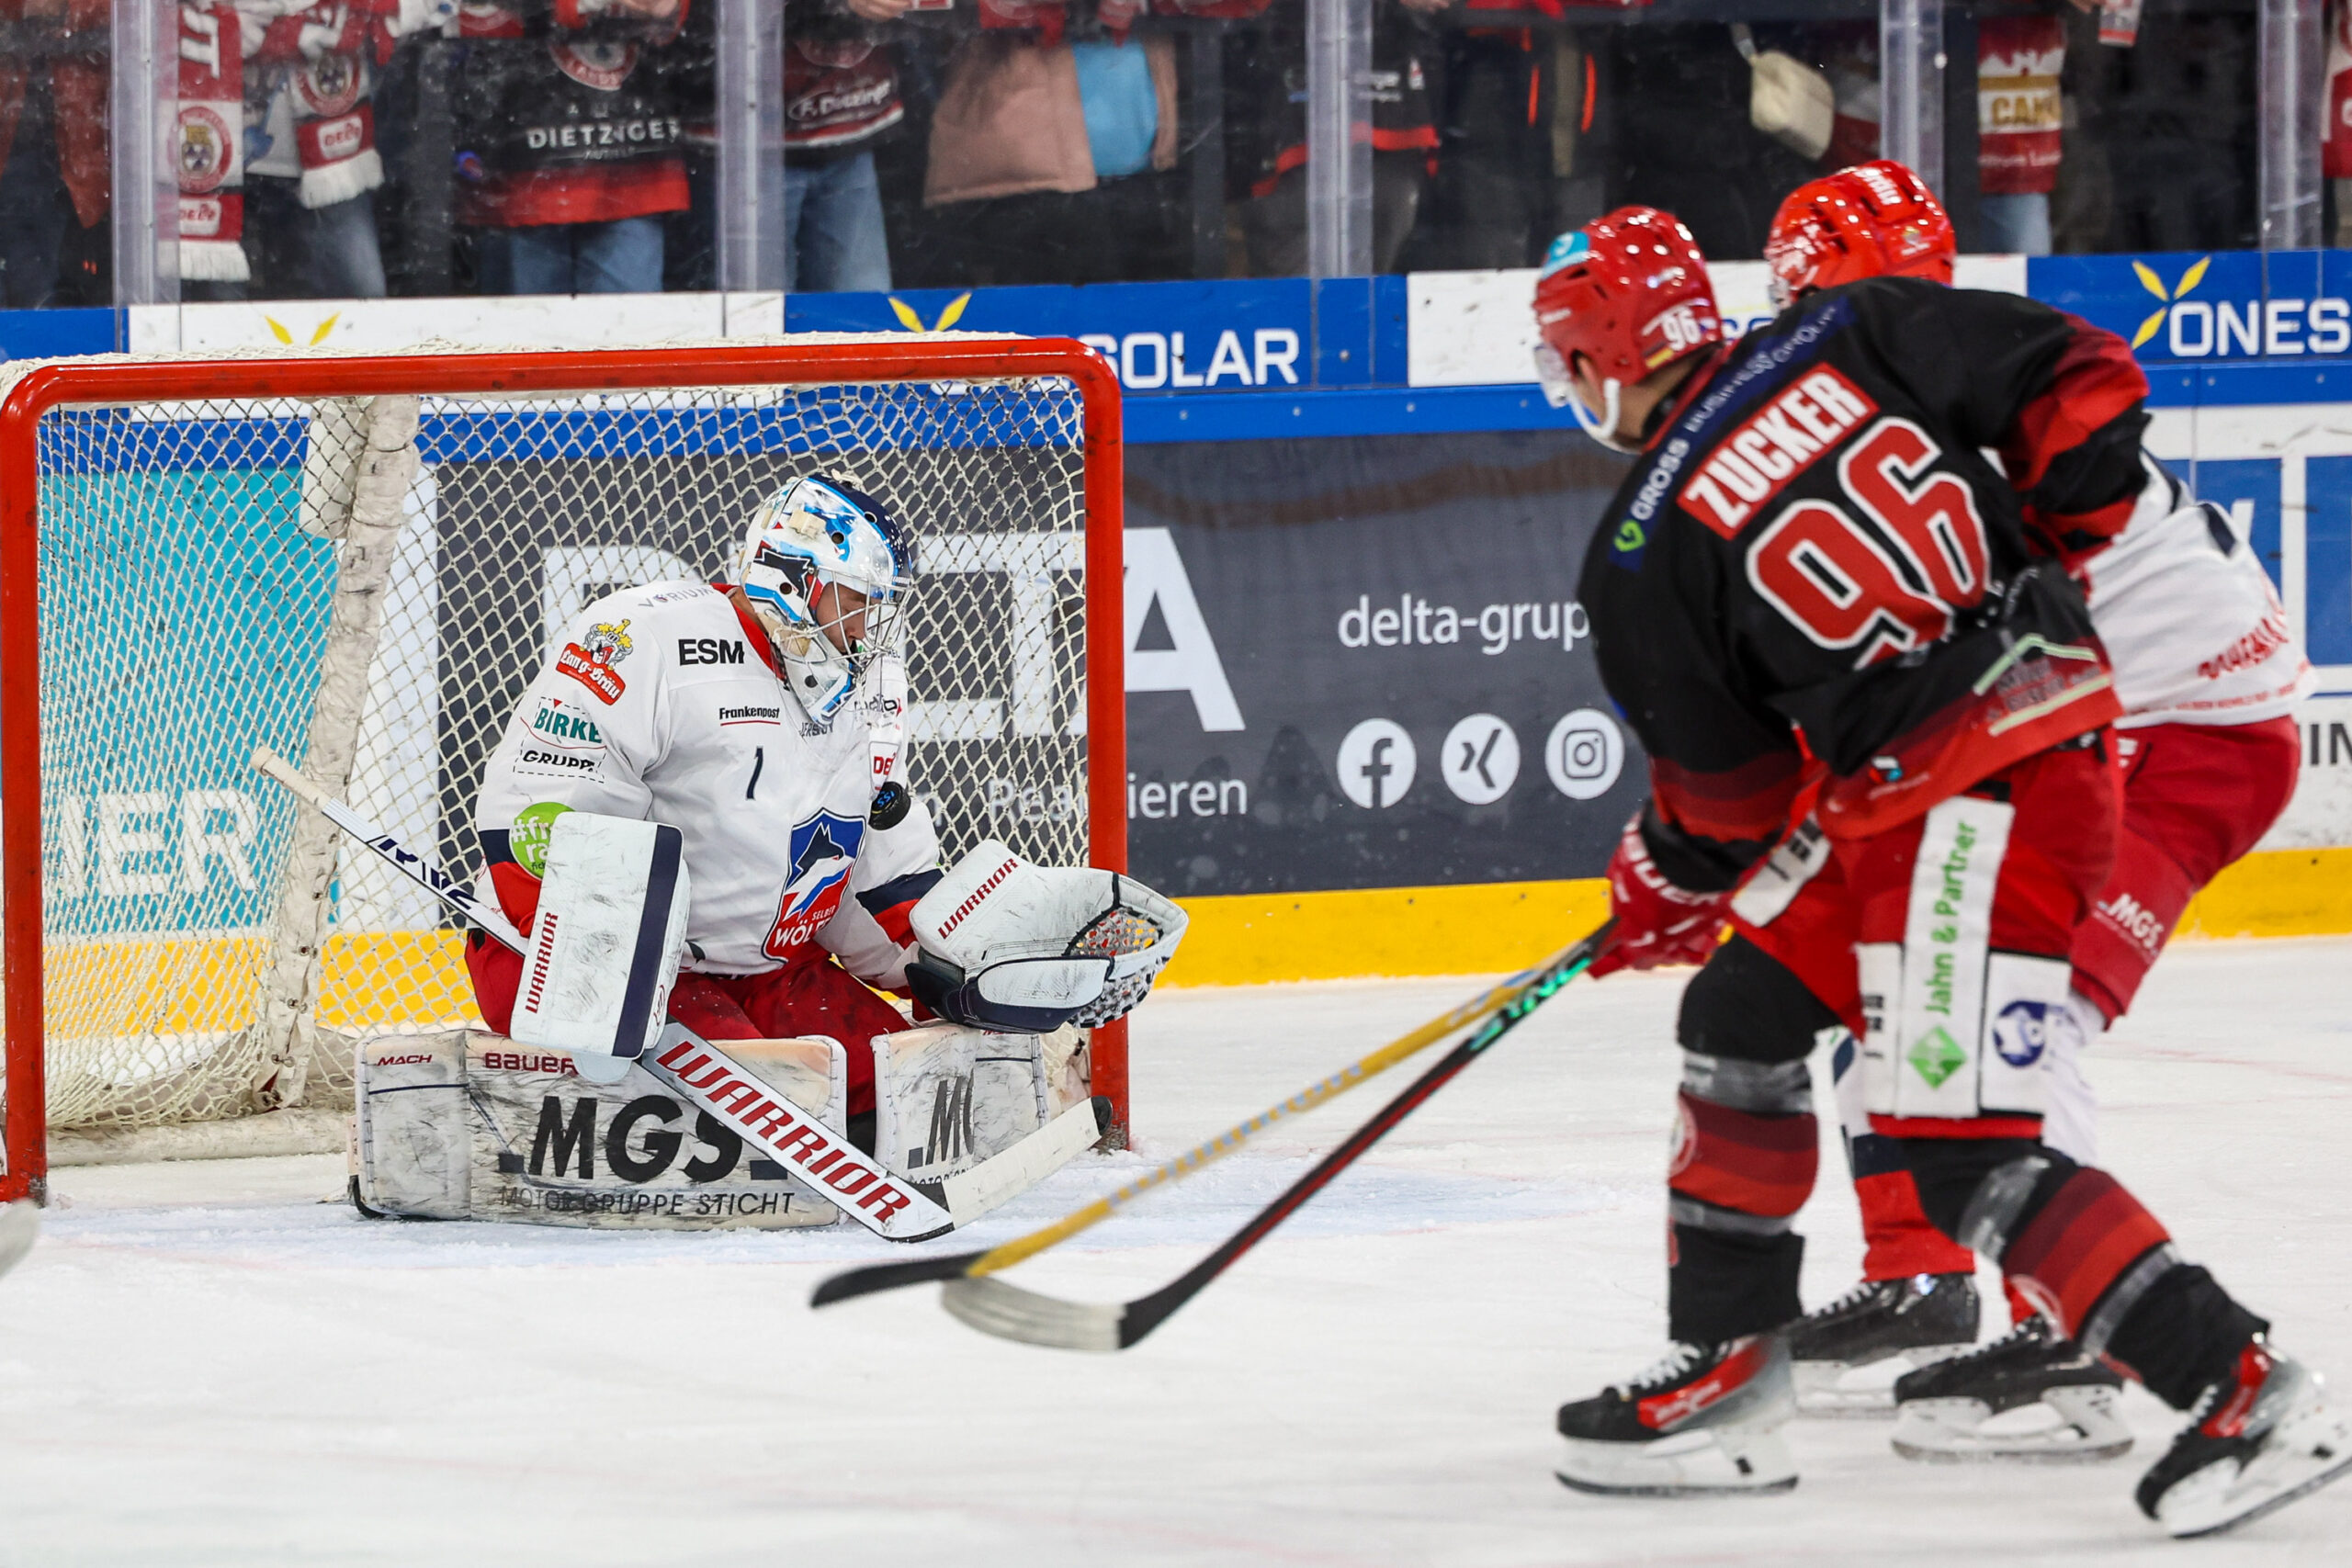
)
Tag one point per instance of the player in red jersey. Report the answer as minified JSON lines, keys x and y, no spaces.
{"x":1813,"y":561}
{"x":2207,"y":670}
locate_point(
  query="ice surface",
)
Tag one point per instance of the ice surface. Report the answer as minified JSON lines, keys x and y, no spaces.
{"x":205,"y":1364}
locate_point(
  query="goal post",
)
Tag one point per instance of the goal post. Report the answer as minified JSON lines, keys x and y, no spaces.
{"x":358,"y":561}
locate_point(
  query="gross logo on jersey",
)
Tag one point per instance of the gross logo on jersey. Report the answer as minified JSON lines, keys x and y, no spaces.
{"x":1779,"y":442}
{"x":590,"y":662}
{"x":824,"y":848}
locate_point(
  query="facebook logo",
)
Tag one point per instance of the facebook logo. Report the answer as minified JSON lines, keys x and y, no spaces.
{"x":1376,"y":763}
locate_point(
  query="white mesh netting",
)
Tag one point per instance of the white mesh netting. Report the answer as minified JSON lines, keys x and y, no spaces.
{"x":189,"y":595}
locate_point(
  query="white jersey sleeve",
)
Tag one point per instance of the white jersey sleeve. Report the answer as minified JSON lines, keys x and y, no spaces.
{"x":2192,"y":627}
{"x":587,"y":732}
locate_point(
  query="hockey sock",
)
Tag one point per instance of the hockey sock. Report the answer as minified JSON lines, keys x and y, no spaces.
{"x":2182,"y":1334}
{"x":1737,"y":1178}
{"x":1722,"y":1284}
{"x":1746,"y":1146}
{"x":1898,"y":1240}
{"x":2078,"y":1243}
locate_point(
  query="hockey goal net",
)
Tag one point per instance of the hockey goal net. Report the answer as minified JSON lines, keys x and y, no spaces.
{"x":360,"y":561}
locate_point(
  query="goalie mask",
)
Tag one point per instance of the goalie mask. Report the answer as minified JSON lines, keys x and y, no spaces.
{"x":813,"y":533}
{"x":1006,"y":945}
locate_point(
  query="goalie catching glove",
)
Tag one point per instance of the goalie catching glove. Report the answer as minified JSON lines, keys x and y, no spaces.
{"x":1006,"y":945}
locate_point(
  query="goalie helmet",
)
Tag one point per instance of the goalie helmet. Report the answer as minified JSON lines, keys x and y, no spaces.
{"x":1629,"y":292}
{"x":1874,"y":219}
{"x":1024,"y":949}
{"x":815,"y":531}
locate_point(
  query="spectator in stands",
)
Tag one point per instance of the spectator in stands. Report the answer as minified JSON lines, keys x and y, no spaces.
{"x":52,"y":138}
{"x":840,"y":97}
{"x":1265,"y":81}
{"x":570,"y":142}
{"x":312,"y":165}
{"x":1051,"y":149}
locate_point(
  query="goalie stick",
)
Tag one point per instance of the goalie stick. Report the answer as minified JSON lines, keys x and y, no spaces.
{"x":854,"y":1181}
{"x":1010,"y":1311}
{"x":962,"y":1266}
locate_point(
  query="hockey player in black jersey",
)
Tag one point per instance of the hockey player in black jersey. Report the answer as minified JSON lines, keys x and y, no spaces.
{"x":1813,"y":584}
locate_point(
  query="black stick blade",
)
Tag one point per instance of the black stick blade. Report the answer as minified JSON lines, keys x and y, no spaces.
{"x":892,"y":1277}
{"x":1008,"y":1312}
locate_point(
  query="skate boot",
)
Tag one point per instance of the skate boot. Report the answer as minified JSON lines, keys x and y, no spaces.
{"x":1849,"y":1354}
{"x":1701,"y":1421}
{"x":2029,"y":1395}
{"x":2259,"y":1439}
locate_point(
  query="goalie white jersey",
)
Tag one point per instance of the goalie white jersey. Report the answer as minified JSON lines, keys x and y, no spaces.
{"x":661,"y":704}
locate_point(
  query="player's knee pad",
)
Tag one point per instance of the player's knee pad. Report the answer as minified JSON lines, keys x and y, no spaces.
{"x":1746,"y":1146}
{"x":1747,"y":1005}
{"x":2074,"y":1242}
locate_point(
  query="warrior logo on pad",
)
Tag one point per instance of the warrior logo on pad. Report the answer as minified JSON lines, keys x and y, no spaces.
{"x":824,"y":850}
{"x":1779,"y":442}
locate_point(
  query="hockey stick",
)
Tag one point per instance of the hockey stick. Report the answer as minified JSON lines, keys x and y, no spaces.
{"x":887,"y":1205}
{"x":1560,"y":966}
{"x":1009,"y":1311}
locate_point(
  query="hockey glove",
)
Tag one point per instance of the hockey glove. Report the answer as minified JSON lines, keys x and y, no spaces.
{"x":1657,"y":923}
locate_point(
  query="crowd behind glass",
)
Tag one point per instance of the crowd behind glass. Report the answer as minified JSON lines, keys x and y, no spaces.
{"x":356,"y":148}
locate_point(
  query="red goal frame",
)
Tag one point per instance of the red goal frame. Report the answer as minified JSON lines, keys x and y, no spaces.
{"x":587,"y":371}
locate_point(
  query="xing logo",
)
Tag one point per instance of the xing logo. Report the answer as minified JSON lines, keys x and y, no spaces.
{"x":2156,"y":286}
{"x":317,"y":337}
{"x":909,"y":318}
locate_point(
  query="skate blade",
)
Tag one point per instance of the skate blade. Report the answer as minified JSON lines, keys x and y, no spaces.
{"x":2067,"y":1426}
{"x":1712,"y":1462}
{"x":2319,"y":1447}
{"x":1859,"y":1391}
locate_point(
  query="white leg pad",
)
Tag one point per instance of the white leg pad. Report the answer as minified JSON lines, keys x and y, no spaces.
{"x":946,"y":1096}
{"x":466,"y":1125}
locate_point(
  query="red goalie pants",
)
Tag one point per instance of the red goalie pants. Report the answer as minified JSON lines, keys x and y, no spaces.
{"x":809,"y":996}
{"x":2196,"y":797}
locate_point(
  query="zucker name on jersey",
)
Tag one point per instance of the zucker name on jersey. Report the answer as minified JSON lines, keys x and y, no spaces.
{"x":762,"y":734}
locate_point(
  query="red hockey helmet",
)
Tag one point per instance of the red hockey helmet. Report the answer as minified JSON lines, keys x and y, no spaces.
{"x":1630,"y":293}
{"x":1875,"y":220}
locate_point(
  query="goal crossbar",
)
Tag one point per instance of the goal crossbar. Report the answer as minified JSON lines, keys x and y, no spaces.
{"x":114,"y":381}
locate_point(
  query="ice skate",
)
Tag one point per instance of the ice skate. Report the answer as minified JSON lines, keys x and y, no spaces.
{"x":1848,"y":1354}
{"x":1700,"y":1422}
{"x":2257,"y":1440}
{"x":2029,"y":1395}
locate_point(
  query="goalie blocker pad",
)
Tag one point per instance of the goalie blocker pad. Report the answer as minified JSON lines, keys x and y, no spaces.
{"x":471,"y":1125}
{"x":1003,"y":944}
{"x":605,"y":944}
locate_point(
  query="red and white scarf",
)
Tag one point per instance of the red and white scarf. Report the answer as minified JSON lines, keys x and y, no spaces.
{"x":211,"y":146}
{"x":322,"y":50}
